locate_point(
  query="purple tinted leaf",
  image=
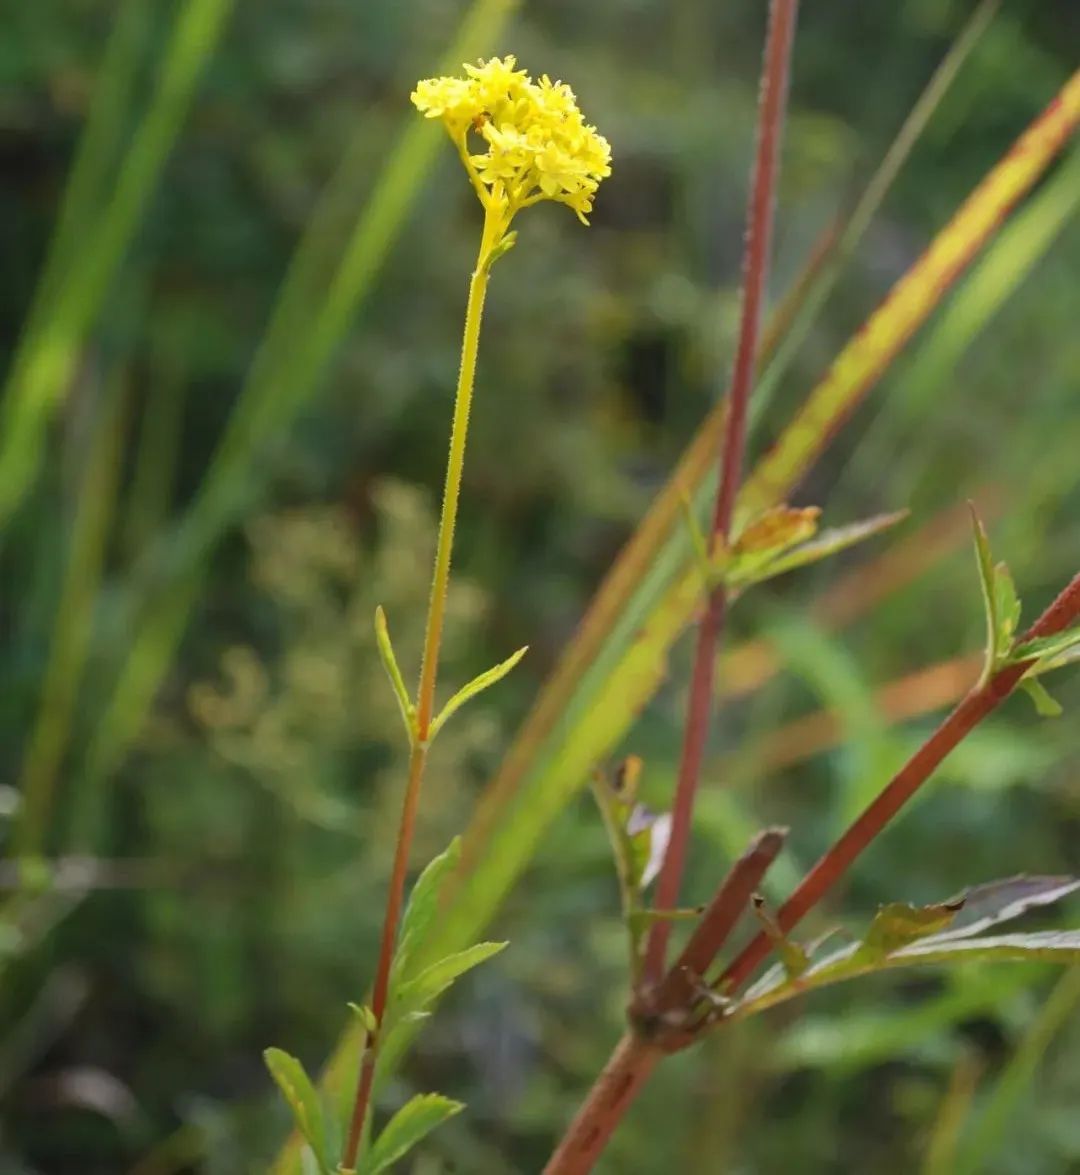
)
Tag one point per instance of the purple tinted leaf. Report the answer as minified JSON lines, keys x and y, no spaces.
{"x":998,"y":901}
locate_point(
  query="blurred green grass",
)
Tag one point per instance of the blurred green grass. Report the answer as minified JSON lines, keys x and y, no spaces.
{"x":282,"y":327}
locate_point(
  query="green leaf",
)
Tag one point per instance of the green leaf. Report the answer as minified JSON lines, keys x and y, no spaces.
{"x":1048,"y":647}
{"x":852,"y":962}
{"x":417,"y":1118}
{"x":829,"y":542}
{"x":1000,"y":901}
{"x":366,"y":1016}
{"x":639,"y":839}
{"x":985,"y":563}
{"x":1007,"y":607}
{"x":415,"y":994}
{"x":500,"y":249}
{"x":898,"y":924}
{"x":1045,"y":705}
{"x":423,"y":906}
{"x":386,"y":655}
{"x":794,"y":958}
{"x":474,"y":687}
{"x":698,"y":544}
{"x":772,"y":533}
{"x":303,"y":1100}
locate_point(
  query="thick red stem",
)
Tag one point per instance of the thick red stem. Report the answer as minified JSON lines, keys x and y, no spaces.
{"x":771,"y":107}
{"x":840,"y":857}
{"x":610,"y":1097}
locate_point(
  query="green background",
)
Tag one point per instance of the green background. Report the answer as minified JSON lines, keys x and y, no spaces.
{"x":233,"y":828}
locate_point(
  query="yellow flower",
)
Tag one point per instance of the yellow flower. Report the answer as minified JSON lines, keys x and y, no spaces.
{"x":538,"y":145}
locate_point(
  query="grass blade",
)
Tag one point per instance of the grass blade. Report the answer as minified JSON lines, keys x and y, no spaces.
{"x":70,"y":638}
{"x":45,"y":366}
{"x":1018,"y":1074}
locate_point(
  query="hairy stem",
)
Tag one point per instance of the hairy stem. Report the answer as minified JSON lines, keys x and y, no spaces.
{"x":771,"y":107}
{"x":837,"y":860}
{"x":425,"y":697}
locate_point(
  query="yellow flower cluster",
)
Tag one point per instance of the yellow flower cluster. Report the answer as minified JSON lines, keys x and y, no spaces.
{"x":538,"y":145}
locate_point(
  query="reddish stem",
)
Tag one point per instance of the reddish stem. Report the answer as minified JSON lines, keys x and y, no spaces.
{"x":616,"y":1087}
{"x":394,"y":900}
{"x":718,"y":921}
{"x":771,"y":106}
{"x":839,"y":858}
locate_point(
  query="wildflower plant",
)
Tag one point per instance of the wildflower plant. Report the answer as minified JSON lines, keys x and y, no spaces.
{"x":520,"y":142}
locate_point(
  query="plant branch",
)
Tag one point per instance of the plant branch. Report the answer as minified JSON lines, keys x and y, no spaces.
{"x":771,"y":107}
{"x":425,"y":698}
{"x":661,"y":1020}
{"x":618,"y":1084}
{"x":718,"y":921}
{"x":979,"y":703}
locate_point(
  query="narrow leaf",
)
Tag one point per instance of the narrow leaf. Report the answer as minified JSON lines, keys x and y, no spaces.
{"x":417,"y":1118}
{"x":828,"y":542}
{"x":366,"y":1016}
{"x":1047,"y":647}
{"x":897,"y":925}
{"x":1069,"y":656}
{"x":1007,"y":607}
{"x":698,"y":544}
{"x":1000,"y":901}
{"x":778,"y":528}
{"x":1046,"y":706}
{"x":794,"y":958}
{"x":476,"y":686}
{"x":415,"y":994}
{"x":422,"y":907}
{"x":985,"y":563}
{"x":294,"y":1083}
{"x":850,"y":962}
{"x":386,"y":655}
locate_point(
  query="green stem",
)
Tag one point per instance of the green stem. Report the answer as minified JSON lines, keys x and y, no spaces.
{"x":494,"y":224}
{"x":440,"y":579}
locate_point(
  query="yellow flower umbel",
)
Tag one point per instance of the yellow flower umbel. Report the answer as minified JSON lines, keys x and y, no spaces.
{"x":538,"y":145}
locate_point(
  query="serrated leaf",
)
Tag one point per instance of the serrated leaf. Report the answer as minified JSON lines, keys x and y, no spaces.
{"x":303,"y":1100}
{"x":474,"y":687}
{"x":828,"y":542}
{"x":416,"y":1119}
{"x":898,"y":924}
{"x":1000,"y":901}
{"x":415,"y":994}
{"x":423,"y":906}
{"x":985,"y":563}
{"x":393,"y":672}
{"x":1046,"y":706}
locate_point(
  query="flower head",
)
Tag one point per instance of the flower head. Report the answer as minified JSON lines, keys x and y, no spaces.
{"x":537,"y":146}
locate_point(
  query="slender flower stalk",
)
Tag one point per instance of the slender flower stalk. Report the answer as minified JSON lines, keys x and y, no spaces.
{"x":425,"y":698}
{"x":537,"y":147}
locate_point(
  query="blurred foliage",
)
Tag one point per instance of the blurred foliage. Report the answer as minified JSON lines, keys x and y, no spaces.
{"x":233,"y":896}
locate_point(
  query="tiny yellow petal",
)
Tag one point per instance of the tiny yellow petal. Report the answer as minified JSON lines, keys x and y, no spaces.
{"x":538,"y":145}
